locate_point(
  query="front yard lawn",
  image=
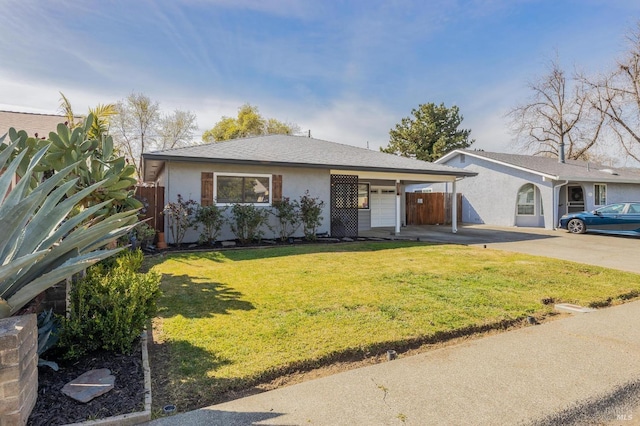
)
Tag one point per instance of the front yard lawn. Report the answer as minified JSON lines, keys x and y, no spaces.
{"x":231,"y":319}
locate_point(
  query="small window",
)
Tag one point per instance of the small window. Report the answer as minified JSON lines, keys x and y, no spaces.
{"x":240,"y":188}
{"x":526,"y":200}
{"x":600,"y":194}
{"x":363,"y":195}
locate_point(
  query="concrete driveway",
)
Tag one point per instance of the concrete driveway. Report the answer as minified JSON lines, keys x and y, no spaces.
{"x":610,"y":251}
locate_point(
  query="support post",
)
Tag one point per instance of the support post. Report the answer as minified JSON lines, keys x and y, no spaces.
{"x":454,"y":208}
{"x":398,"y":199}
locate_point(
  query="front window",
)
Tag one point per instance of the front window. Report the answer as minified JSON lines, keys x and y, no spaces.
{"x":526,"y":200}
{"x":600,"y":194}
{"x":363,"y":195}
{"x":239,"y":188}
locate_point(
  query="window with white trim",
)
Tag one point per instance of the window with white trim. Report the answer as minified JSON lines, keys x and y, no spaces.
{"x":526,"y":200}
{"x":363,"y":196}
{"x":600,"y":194}
{"x":230,"y":188}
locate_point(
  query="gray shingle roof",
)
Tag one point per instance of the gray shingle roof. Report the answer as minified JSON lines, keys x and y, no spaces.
{"x":301,"y":151}
{"x":570,"y":170}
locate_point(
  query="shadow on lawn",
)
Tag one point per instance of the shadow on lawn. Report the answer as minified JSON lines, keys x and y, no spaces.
{"x":193,"y":299}
{"x":179,"y":375}
{"x":265,"y":252}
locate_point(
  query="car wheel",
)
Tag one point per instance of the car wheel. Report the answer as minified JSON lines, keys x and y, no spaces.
{"x":576,"y":226}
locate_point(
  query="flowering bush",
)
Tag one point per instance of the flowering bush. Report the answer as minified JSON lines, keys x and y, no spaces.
{"x":181,"y":217}
{"x":211,"y":217}
{"x":310,"y":214}
{"x":287,"y":213}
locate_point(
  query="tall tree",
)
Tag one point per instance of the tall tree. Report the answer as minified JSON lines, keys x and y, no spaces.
{"x":430,"y":132}
{"x":248,"y":123}
{"x":136,"y":126}
{"x":618,"y":97}
{"x":140,"y":126}
{"x":177,"y":129}
{"x":558,"y":118}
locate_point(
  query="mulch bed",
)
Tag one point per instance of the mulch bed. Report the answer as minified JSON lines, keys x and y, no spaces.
{"x":54,"y":408}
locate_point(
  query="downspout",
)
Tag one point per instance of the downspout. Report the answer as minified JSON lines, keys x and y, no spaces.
{"x":556,"y":216}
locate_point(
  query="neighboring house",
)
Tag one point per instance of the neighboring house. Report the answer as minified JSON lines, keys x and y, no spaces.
{"x":361,"y":188}
{"x":33,"y":124}
{"x":526,"y":190}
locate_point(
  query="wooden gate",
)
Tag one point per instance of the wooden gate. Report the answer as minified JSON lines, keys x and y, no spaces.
{"x":153,"y":200}
{"x":432,"y":208}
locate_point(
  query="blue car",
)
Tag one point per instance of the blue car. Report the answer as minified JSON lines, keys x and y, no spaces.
{"x":619,"y":218}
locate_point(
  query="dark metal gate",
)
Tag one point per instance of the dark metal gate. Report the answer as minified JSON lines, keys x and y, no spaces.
{"x":344,"y":206}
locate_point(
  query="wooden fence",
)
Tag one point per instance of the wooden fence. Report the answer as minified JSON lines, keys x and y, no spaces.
{"x":153,"y":200}
{"x":431,"y":208}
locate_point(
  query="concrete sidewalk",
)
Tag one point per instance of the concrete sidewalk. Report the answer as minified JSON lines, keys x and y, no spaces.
{"x":576,"y":370}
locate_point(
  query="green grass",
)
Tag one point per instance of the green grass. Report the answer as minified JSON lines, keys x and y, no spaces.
{"x":231,"y":319}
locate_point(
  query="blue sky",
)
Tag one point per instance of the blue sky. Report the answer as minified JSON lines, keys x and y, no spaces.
{"x":346,"y":70}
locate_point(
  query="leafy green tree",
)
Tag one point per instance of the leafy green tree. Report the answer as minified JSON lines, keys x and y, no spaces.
{"x":248,"y":123}
{"x":430,"y":132}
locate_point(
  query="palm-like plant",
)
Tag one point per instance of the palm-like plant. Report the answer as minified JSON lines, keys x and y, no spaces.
{"x":40,"y":244}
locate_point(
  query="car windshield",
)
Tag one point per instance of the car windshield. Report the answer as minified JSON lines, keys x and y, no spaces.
{"x":611,"y":209}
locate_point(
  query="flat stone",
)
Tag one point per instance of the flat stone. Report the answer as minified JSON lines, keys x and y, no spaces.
{"x":90,"y":385}
{"x":328,"y":240}
{"x":572,"y":309}
{"x":228,"y":243}
{"x":268,"y":241}
{"x":192,"y":246}
{"x":347,"y":240}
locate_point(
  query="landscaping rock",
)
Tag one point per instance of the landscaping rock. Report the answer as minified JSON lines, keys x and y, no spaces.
{"x":89,"y":385}
{"x":269,"y":242}
{"x":347,"y":240}
{"x":329,"y":240}
{"x":228,"y":243}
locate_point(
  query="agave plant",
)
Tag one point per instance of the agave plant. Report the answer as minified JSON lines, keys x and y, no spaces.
{"x":40,"y":243}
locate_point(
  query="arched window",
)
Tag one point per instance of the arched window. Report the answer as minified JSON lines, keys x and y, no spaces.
{"x":526,"y":200}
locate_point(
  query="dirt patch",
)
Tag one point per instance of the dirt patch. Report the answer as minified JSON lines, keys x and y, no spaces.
{"x":54,"y":408}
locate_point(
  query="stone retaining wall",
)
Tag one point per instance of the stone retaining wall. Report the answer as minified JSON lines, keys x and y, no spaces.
{"x":18,"y":369}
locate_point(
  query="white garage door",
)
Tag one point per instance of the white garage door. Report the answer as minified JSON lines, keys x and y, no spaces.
{"x":383,"y":206}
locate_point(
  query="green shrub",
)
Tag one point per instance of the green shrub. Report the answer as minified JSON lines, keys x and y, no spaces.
{"x":144,"y":234}
{"x":310,"y":214}
{"x":211,"y":217}
{"x":109,"y":307}
{"x":247,"y":222}
{"x":287,"y":213}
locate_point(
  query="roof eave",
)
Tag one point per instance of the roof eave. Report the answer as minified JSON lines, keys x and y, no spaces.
{"x":599,"y":179}
{"x":159,"y":157}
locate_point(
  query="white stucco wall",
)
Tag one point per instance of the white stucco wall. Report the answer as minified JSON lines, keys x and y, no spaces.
{"x":490,"y":197}
{"x":185,"y":179}
{"x":616,"y":193}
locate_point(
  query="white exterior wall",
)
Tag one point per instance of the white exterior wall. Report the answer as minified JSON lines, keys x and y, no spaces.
{"x":185,"y":179}
{"x":490,"y":197}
